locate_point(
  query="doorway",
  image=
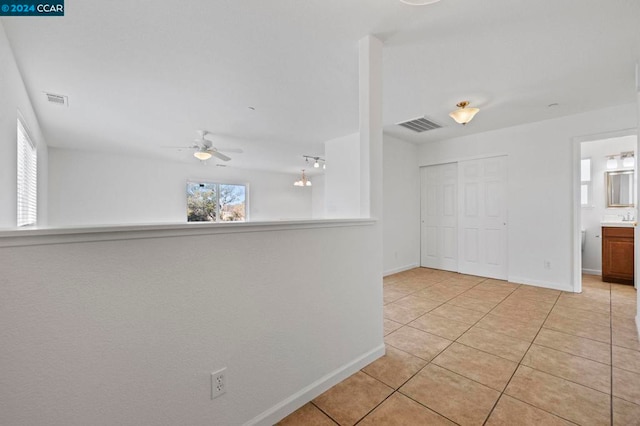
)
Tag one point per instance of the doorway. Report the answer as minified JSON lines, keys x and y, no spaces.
{"x":595,"y":156}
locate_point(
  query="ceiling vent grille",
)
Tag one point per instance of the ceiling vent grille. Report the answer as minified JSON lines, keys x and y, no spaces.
{"x":420,"y":125}
{"x":57,"y":99}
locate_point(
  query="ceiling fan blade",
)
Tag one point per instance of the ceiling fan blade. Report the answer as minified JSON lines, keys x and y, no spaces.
{"x":234,"y":150}
{"x":179,"y":147}
{"x":219,"y":155}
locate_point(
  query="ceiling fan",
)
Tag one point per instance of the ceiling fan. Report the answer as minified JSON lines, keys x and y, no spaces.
{"x":204,"y":148}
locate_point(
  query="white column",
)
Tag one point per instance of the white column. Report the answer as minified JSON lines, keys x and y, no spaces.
{"x":370,"y":69}
{"x":371,"y":183}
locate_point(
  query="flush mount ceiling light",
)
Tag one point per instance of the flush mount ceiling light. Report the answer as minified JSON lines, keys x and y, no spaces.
{"x":419,"y":2}
{"x":303,"y":181}
{"x":202,"y":155}
{"x":463,"y":115}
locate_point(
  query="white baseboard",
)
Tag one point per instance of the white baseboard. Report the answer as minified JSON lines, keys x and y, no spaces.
{"x":306,"y":394}
{"x":538,"y":283}
{"x":592,"y":271}
{"x":400,"y":269}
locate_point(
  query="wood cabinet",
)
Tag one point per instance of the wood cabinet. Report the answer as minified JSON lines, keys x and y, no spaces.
{"x":617,"y":255}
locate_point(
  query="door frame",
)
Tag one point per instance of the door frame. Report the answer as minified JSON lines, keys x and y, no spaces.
{"x":577,"y":207}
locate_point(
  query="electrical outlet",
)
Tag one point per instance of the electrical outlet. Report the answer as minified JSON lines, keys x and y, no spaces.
{"x":547,"y":264}
{"x":218,"y":383}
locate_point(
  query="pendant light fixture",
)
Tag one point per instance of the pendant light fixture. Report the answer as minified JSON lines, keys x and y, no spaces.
{"x":463,"y":115}
{"x":303,"y":181}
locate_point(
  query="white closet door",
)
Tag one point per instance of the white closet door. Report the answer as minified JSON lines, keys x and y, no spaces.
{"x":482,"y":239}
{"x":439,"y":237}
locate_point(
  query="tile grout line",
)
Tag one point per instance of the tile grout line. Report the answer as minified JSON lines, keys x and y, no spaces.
{"x":325,"y":413}
{"x":428,"y":408}
{"x":456,"y":341}
{"x":377,"y":405}
{"x":538,"y":408}
{"x":428,"y":362}
{"x":519,"y":364}
{"x":564,"y":378}
{"x":611,"y":354}
{"x":396,"y":390}
{"x":462,"y":375}
{"x":574,"y":335}
{"x":572,"y":354}
{"x":403,"y":383}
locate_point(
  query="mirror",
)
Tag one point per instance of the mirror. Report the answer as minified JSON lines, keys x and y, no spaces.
{"x":620,"y":188}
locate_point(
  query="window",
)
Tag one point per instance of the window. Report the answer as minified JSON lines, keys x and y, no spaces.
{"x":216,"y":202}
{"x":585,"y":181}
{"x":27,"y":198}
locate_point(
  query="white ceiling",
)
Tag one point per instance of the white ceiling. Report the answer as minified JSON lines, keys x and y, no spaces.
{"x":143,"y":74}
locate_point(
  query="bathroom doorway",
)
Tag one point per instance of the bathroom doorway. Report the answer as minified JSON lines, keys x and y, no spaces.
{"x":601,"y":159}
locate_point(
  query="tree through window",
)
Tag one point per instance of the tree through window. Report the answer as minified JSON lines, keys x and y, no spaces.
{"x":216,"y":202}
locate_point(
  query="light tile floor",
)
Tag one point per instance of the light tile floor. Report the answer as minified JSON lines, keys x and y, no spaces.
{"x":472,"y":351}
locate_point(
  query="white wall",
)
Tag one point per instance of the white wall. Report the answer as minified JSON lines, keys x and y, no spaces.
{"x":401,"y":205}
{"x":540,"y":187}
{"x":89,"y":188}
{"x":13,"y":98}
{"x":127,"y":332}
{"x":342,"y":177}
{"x":318,"y":210}
{"x":593,"y":214}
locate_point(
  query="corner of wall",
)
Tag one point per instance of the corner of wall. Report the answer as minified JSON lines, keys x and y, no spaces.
{"x":297,"y":400}
{"x":541,"y":283}
{"x":400,"y":269}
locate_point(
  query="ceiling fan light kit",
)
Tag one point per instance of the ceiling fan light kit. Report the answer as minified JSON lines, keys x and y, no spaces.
{"x":202,"y":155}
{"x":204,"y":148}
{"x":463,"y":115}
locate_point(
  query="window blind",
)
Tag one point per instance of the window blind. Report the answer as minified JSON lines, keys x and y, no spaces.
{"x":27,"y":178}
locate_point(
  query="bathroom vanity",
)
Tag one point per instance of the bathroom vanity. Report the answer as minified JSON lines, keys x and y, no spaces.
{"x":617,"y":252}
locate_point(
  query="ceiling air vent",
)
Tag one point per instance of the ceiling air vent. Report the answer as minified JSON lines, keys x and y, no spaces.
{"x":420,"y":125}
{"x":57,"y":99}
